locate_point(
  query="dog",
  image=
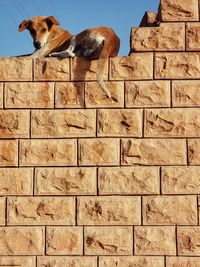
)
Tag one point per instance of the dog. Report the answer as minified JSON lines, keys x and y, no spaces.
{"x":94,"y":43}
{"x":46,"y":34}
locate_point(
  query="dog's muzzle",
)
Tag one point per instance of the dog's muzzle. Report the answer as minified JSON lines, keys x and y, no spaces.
{"x":37,"y":45}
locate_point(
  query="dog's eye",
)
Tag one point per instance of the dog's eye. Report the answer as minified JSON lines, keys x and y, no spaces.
{"x":32,"y":31}
{"x":43,"y":30}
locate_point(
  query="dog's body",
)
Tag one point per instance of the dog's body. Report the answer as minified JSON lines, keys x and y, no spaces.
{"x":94,"y":43}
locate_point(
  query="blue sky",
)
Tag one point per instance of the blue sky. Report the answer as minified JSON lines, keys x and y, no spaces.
{"x":75,"y":16}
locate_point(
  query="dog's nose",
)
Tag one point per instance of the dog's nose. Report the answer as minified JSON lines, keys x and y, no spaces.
{"x":37,"y":44}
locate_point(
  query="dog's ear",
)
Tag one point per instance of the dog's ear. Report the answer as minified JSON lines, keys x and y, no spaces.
{"x":51,"y":20}
{"x":24,"y":25}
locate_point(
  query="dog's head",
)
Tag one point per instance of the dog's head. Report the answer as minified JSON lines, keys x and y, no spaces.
{"x":39,"y":28}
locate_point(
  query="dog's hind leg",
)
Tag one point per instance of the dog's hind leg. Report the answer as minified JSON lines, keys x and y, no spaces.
{"x":68,"y":52}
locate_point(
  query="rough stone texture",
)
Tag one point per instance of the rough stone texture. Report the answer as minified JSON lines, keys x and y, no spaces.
{"x":83,"y":69}
{"x":192,"y":36}
{"x":188,"y":241}
{"x":185,"y":93}
{"x":15,"y":181}
{"x":29,"y":95}
{"x":1,"y":95}
{"x":2,"y":210}
{"x":109,"y":211}
{"x":62,"y":124}
{"x":108,"y":240}
{"x":14,"y":124}
{"x":8,"y":153}
{"x":71,"y":261}
{"x":168,"y":36}
{"x":69,"y":95}
{"x":179,"y":10}
{"x":177,"y":65}
{"x":99,"y":151}
{"x":95,"y":97}
{"x":131,"y":261}
{"x":134,"y":67}
{"x":17,"y":261}
{"x":151,"y":240}
{"x":172,"y":123}
{"x":149,"y":20}
{"x":64,"y":240}
{"x":51,"y":69}
{"x":15,"y":69}
{"x":44,"y":153}
{"x":21,"y":241}
{"x":182,"y":262}
{"x":41,"y":211}
{"x":65,"y":181}
{"x":180,"y":180}
{"x":169,"y":210}
{"x":129,"y":180}
{"x":126,"y":122}
{"x":153,"y":152}
{"x":194,"y":151}
{"x":147,"y":94}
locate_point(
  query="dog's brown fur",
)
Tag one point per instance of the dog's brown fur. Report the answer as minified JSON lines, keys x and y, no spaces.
{"x":46,"y":31}
{"x":94,"y":43}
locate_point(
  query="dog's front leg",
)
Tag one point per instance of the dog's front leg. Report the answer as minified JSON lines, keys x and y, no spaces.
{"x":69,"y":52}
{"x":39,"y":53}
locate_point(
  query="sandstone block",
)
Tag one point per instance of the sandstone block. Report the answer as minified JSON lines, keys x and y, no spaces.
{"x":188,"y":241}
{"x":99,"y":151}
{"x":108,"y":240}
{"x":166,"y":37}
{"x":147,"y":94}
{"x":120,"y":122}
{"x":51,"y":69}
{"x":180,"y":180}
{"x":194,"y":151}
{"x":192,"y":36}
{"x":172,"y":123}
{"x":69,"y":95}
{"x":2,"y":210}
{"x":109,"y":210}
{"x":16,"y":181}
{"x":15,"y":69}
{"x":177,"y":65}
{"x":8,"y":153}
{"x":63,"y":123}
{"x":153,"y":152}
{"x":185,"y":93}
{"x":129,"y":180}
{"x":166,"y":210}
{"x":64,"y":241}
{"x":65,"y":181}
{"x":62,"y":261}
{"x":95,"y":97}
{"x":83,"y":69}
{"x":21,"y":241}
{"x":1,"y":95}
{"x":29,"y":95}
{"x":179,"y":10}
{"x":17,"y":261}
{"x":14,"y":124}
{"x":129,"y":261}
{"x":47,"y":153}
{"x":155,"y":240}
{"x":182,"y":261}
{"x":149,"y":19}
{"x":41,"y":211}
{"x":134,"y":67}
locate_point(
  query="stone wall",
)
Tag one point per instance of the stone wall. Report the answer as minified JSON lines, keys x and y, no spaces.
{"x":90,"y":182}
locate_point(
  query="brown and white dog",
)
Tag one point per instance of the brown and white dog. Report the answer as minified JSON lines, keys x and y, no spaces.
{"x":94,"y":43}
